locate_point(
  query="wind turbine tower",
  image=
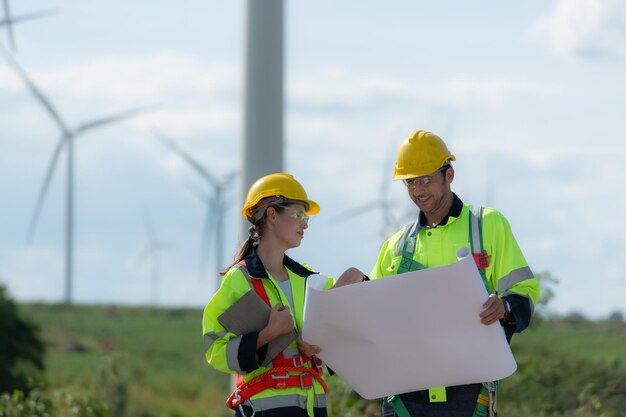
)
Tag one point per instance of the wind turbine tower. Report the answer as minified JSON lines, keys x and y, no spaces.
{"x":263,"y":86}
{"x":153,"y":249}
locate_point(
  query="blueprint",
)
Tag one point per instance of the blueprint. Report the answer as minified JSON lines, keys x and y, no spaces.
{"x":407,"y":332}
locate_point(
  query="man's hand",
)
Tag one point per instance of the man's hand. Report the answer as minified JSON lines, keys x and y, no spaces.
{"x":307,"y":349}
{"x":493,"y":310}
{"x":350,"y":276}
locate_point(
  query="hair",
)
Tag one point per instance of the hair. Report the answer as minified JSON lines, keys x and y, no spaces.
{"x":255,"y":232}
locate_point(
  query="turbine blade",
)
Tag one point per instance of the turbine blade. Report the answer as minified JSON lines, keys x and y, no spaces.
{"x":229,"y":179}
{"x":195,"y":164}
{"x":32,"y":16}
{"x":110,"y":119}
{"x":202,"y":196}
{"x":9,"y":22}
{"x":143,"y":255}
{"x":44,"y":188}
{"x":43,"y":100}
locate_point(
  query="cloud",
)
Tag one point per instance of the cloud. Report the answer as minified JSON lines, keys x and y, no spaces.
{"x":191,"y":94}
{"x":585,"y":28}
{"x":339,"y":89}
{"x":144,"y":78}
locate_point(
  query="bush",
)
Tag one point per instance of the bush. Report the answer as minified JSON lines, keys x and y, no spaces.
{"x":550,"y":385}
{"x":22,"y":352}
{"x":36,"y":403}
{"x":19,"y":404}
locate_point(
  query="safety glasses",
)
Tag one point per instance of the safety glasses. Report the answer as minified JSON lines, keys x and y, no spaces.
{"x":296,"y":214}
{"x":411,"y":183}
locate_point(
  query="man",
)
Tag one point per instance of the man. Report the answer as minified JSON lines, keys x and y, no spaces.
{"x":444,"y":224}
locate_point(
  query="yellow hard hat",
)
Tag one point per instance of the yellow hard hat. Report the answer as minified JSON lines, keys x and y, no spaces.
{"x":277,"y":185}
{"x":420,"y":154}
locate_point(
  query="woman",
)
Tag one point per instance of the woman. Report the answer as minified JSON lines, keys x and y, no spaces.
{"x":252,"y":324}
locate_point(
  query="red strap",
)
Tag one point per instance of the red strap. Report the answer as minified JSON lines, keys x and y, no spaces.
{"x":239,"y":380}
{"x":257,"y":285}
{"x":259,"y":288}
{"x":276,"y":378}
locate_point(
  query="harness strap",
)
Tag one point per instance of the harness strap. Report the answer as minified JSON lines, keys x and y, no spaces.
{"x":481,"y":258}
{"x":407,"y":245}
{"x":486,"y":401}
{"x":259,"y":288}
{"x":276,"y":378}
{"x":398,"y":406}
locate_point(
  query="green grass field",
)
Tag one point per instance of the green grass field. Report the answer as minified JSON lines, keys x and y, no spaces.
{"x":153,"y":360}
{"x":156,"y":355}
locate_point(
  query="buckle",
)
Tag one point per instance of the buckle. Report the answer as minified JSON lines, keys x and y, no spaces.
{"x":278,"y":379}
{"x":304,"y":384}
{"x":297,"y":361}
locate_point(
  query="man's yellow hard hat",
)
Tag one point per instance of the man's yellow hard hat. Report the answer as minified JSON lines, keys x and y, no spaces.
{"x":420,"y":154}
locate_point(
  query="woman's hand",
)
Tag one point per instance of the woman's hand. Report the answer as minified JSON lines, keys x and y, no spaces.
{"x":350,"y":276}
{"x":280,"y":323}
{"x":307,"y":349}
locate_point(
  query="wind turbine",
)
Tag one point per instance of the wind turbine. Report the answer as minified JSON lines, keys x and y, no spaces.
{"x":66,"y":142}
{"x":153,"y":249}
{"x":215,"y":205}
{"x":8,"y":21}
{"x":390,"y":221}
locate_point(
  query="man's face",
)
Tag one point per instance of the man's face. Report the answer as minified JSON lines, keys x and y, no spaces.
{"x":431,"y":192}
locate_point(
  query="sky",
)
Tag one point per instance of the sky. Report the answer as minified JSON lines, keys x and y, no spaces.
{"x":529,"y":96}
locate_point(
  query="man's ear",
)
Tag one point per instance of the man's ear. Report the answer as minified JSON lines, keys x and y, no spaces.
{"x":450,"y":174}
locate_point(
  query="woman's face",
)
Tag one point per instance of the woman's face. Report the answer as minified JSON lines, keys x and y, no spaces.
{"x":291,"y":223}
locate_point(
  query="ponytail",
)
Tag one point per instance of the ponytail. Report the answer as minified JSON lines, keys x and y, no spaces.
{"x":245,"y":248}
{"x":255,"y":232}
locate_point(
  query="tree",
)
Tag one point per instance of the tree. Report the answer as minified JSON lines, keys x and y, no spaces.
{"x":547,"y":281}
{"x":21,"y":349}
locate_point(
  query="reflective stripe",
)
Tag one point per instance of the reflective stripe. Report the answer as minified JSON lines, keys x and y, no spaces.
{"x":513,"y":277}
{"x":211,"y":337}
{"x":245,"y":273}
{"x":475,"y":215}
{"x":291,"y":400}
{"x":232,"y":351}
{"x":400,"y":244}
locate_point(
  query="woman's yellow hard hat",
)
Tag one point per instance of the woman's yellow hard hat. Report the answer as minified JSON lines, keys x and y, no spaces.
{"x":277,"y":185}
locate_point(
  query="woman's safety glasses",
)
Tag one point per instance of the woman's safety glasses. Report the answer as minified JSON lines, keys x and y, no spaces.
{"x":296,"y":214}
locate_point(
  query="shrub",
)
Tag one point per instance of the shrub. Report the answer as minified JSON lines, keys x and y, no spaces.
{"x":21,"y":350}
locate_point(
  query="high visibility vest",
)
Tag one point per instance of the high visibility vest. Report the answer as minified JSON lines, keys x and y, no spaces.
{"x":300,"y":371}
{"x":233,"y":353}
{"x":507,"y":271}
{"x":411,"y":250}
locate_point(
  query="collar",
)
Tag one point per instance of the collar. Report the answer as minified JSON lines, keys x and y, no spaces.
{"x":257,"y":270}
{"x":455,"y":211}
